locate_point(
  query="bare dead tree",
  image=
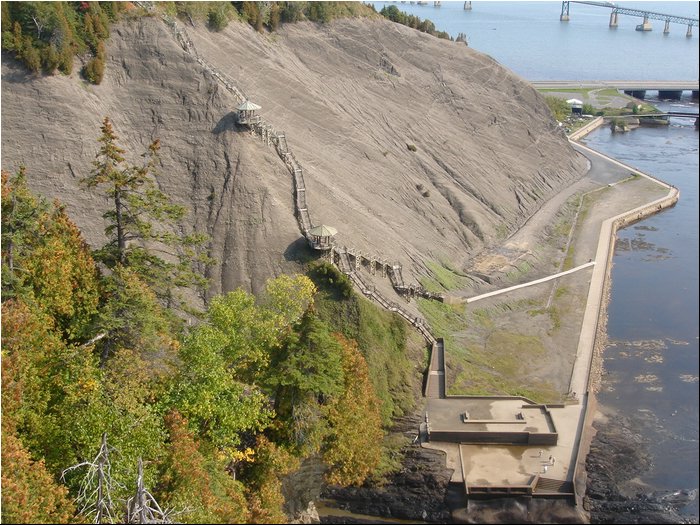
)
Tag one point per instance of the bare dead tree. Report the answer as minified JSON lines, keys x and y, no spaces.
{"x":39,"y":26}
{"x":142,"y":507}
{"x":96,"y":487}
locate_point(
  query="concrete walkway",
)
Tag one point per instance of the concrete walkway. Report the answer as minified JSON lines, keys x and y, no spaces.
{"x":531,"y":283}
{"x":494,"y":464}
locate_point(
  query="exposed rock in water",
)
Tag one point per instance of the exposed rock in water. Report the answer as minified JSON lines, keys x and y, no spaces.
{"x":349,"y":95}
{"x":614,"y":493}
{"x":308,"y":515}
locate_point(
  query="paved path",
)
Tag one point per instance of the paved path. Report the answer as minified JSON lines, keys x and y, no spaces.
{"x":531,"y":283}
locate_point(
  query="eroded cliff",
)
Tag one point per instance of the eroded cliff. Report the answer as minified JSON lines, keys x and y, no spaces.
{"x":351,"y":97}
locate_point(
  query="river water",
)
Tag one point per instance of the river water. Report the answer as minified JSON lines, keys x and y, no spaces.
{"x":529,"y":39}
{"x":651,"y":363}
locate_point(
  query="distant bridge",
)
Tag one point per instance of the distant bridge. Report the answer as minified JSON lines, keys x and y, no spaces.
{"x":632,"y":85}
{"x":668,"y":89}
{"x":642,"y":13}
{"x":679,"y":114}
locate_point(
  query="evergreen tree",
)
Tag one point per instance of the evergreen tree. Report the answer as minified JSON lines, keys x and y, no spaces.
{"x":141,"y":219}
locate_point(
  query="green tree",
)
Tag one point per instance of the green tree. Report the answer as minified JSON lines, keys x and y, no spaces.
{"x":54,"y":32}
{"x":142,"y":215}
{"x":218,"y":406}
{"x":220,"y":13}
{"x":304,"y":373}
{"x":559,"y":108}
{"x":21,"y":212}
{"x":131,"y":317}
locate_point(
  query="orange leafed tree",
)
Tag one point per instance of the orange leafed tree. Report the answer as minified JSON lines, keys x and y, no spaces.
{"x":29,"y":493}
{"x":194,"y":481}
{"x":354,"y":444}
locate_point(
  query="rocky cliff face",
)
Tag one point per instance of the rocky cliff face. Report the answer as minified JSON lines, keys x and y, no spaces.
{"x":351,"y":96}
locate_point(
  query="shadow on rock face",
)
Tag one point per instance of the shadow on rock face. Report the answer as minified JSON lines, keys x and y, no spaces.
{"x":227,"y":122}
{"x":300,"y":252}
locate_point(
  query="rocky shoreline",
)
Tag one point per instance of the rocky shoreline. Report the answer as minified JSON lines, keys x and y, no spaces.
{"x":617,"y":457}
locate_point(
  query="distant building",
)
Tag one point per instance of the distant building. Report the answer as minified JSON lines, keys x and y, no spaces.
{"x":576,"y":106}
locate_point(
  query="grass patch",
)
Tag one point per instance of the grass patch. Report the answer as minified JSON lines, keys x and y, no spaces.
{"x":483,"y":318}
{"x":444,"y":319}
{"x":391,"y":458}
{"x":494,"y":369}
{"x":561,"y":292}
{"x":444,"y":276}
{"x":521,"y":269}
{"x":502,"y":228}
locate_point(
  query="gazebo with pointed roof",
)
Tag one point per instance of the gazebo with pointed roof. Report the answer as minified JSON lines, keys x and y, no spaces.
{"x":321,"y":237}
{"x":245,"y":113}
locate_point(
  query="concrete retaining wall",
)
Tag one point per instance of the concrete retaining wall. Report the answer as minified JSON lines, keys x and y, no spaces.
{"x":605,"y":253}
{"x":500,"y":438}
{"x":585,"y":130}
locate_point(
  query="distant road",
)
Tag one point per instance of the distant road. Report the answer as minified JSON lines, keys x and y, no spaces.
{"x":631,"y":85}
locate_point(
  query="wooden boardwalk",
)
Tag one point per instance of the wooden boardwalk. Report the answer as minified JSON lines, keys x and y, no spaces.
{"x":348,"y":260}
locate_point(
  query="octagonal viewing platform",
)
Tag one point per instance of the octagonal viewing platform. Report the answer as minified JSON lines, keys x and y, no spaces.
{"x":245,"y":113}
{"x":321,"y":237}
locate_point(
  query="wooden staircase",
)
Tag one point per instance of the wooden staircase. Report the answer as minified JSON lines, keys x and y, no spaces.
{"x":279,"y":140}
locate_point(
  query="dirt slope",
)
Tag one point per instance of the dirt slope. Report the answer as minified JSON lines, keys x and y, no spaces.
{"x":349,"y":95}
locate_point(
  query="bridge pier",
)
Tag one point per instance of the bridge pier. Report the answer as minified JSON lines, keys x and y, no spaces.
{"x":637,"y":93}
{"x":667,"y":28}
{"x":468,"y":5}
{"x":689,"y":32}
{"x":613,"y":19}
{"x":564,"y":17}
{"x":694,"y":95}
{"x":670,"y":94}
{"x":644,"y":26}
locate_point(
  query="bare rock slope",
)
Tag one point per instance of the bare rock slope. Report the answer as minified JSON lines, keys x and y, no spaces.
{"x":351,"y":97}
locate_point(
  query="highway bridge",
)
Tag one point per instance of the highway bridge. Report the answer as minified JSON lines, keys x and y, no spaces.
{"x":668,"y":89}
{"x":645,"y":14}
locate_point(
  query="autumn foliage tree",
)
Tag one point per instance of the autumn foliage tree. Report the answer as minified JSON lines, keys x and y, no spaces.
{"x":29,"y":492}
{"x":196,"y":481}
{"x":353,"y":444}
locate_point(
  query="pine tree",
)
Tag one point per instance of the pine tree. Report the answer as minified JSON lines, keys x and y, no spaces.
{"x":141,"y":219}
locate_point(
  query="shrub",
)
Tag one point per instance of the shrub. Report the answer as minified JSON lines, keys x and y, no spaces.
{"x":559,"y":108}
{"x":324,"y":273}
{"x":94,"y":70}
{"x":219,"y":16}
{"x":411,"y":147}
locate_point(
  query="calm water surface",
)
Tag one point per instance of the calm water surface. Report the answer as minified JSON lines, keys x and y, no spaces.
{"x":528,"y":38}
{"x":651,"y":366}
